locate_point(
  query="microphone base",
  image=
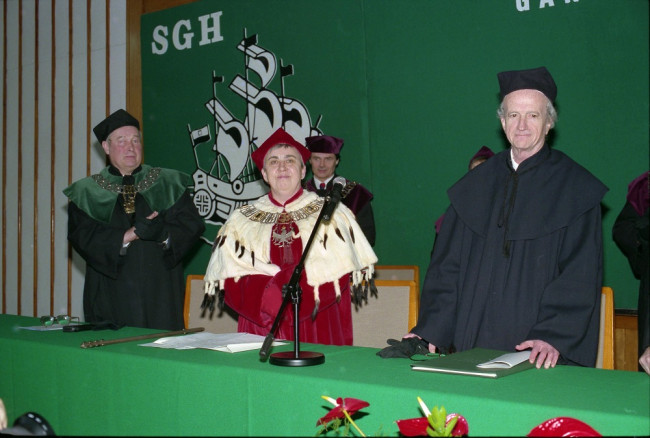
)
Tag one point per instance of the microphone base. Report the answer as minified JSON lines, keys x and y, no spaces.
{"x":289,"y":359}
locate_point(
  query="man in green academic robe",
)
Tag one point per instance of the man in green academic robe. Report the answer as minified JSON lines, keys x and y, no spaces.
{"x":133,"y":224}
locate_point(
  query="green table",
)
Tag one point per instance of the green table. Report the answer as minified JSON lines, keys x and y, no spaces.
{"x":126,"y":389}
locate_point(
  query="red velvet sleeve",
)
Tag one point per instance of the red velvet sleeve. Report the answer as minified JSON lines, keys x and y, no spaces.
{"x":258,"y":297}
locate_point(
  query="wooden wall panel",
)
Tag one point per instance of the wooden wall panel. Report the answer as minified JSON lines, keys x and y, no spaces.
{"x":63,"y":70}
{"x":65,"y":65}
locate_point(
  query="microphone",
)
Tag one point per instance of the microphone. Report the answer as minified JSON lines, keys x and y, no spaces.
{"x":334,"y":198}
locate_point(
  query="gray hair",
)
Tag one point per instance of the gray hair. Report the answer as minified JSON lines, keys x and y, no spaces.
{"x":551,"y":113}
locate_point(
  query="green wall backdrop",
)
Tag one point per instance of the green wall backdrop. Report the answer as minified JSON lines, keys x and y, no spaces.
{"x":411,"y":86}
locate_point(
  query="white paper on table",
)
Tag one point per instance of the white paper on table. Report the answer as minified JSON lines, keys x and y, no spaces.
{"x":43,"y":328}
{"x":506,"y":360}
{"x":227,"y":342}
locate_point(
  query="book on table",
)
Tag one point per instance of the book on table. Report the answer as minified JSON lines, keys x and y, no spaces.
{"x":480,"y":362}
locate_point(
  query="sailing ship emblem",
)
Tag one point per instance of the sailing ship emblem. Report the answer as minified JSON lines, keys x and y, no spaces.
{"x":230,"y":179}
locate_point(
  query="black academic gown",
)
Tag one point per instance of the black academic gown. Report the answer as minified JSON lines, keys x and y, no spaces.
{"x":518,"y":257}
{"x":142,"y":285}
{"x":630,"y":232}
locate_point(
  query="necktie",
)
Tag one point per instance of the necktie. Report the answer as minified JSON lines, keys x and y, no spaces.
{"x":322,"y":186}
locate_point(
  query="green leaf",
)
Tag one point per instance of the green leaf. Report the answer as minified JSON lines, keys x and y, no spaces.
{"x":450,"y":427}
{"x":437,"y":420}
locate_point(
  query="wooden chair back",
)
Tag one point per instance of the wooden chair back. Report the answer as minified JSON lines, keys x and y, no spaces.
{"x":605,"y":358}
{"x":398,"y":272}
{"x":389,"y":315}
{"x":225,"y":322}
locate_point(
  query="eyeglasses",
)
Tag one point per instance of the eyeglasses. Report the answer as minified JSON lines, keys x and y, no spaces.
{"x":61,"y":319}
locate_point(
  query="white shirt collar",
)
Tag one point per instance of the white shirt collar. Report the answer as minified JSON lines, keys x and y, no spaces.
{"x":512,"y":160}
{"x":318,"y":182}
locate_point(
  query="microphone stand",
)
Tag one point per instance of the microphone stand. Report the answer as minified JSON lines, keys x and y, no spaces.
{"x":292,"y":291}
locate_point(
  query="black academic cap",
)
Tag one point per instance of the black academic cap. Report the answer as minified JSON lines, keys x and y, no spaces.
{"x":532,"y":79}
{"x":116,"y":120}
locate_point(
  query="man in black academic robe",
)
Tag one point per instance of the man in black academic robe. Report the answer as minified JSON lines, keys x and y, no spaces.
{"x":518,"y":260}
{"x":133,"y":224}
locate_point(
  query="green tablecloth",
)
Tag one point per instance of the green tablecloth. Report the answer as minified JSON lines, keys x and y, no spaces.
{"x":127,"y":389}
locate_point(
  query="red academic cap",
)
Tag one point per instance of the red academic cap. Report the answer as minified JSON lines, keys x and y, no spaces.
{"x":278,"y":137}
{"x":324,"y":144}
{"x":539,"y":79}
{"x":116,"y":120}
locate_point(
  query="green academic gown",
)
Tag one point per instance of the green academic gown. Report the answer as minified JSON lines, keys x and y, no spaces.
{"x":141,"y":285}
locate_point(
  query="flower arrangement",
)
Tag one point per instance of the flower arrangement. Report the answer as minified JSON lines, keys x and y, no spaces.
{"x":341,"y":414}
{"x":434,"y":423}
{"x":563,"y":426}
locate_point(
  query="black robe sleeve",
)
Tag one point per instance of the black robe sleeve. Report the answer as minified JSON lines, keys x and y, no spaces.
{"x":98,"y":243}
{"x":185,"y":226}
{"x":630,"y":232}
{"x":366,"y":220}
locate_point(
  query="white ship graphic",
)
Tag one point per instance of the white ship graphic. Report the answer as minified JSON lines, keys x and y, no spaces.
{"x":230,"y":179}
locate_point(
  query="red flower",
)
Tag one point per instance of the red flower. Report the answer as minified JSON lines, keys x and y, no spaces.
{"x":413,"y":426}
{"x":342,"y":405}
{"x":563,"y":426}
{"x":461,"y":428}
{"x":418,"y":426}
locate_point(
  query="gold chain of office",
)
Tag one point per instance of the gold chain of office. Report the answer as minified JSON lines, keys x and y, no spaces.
{"x":128,"y":191}
{"x":284,"y":217}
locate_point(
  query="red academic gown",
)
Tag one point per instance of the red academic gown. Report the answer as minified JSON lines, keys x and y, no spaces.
{"x":257,"y":298}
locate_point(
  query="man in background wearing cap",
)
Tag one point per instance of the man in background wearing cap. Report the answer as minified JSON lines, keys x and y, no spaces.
{"x":257,"y":249}
{"x":325,"y":156}
{"x":517,"y":264}
{"x":132,"y":224}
